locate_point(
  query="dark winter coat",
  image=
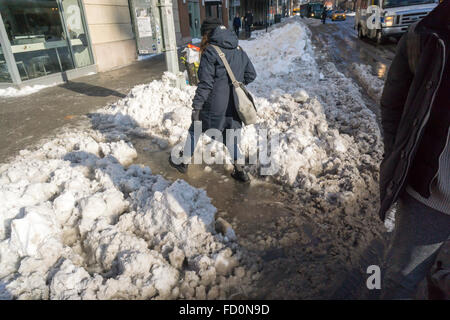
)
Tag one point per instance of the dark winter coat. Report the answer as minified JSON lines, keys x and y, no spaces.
{"x":248,"y":19}
{"x":214,"y":95}
{"x":415,"y":108}
{"x":237,"y":22}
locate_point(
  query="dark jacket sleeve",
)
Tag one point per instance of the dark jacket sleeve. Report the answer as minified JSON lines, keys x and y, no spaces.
{"x":206,"y":72}
{"x":250,"y":72}
{"x":394,"y":95}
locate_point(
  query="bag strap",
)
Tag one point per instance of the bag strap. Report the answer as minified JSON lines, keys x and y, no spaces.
{"x":227,"y":66}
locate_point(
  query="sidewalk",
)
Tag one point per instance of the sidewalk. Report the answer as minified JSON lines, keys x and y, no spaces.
{"x":25,"y":120}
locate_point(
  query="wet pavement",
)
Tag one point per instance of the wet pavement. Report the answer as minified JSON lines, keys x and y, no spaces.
{"x":261,"y":214}
{"x":26,"y":120}
{"x":276,"y":230}
{"x":338,"y":42}
{"x":341,"y":41}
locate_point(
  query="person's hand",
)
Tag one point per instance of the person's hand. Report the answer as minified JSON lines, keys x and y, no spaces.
{"x":195,"y":115}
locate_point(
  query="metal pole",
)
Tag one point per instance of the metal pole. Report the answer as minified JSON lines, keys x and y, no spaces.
{"x":267,"y":5}
{"x":170,"y":42}
{"x":9,"y":56}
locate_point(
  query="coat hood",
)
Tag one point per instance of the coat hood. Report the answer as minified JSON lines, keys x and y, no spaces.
{"x":437,"y":20}
{"x":224,"y":38}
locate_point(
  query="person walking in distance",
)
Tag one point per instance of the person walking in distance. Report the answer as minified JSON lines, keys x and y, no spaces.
{"x":248,"y":23}
{"x":324,"y":14}
{"x":237,"y":24}
{"x":213,"y":104}
{"x":415,"y":171}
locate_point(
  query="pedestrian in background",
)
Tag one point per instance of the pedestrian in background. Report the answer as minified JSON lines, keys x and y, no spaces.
{"x":237,"y":24}
{"x":415,"y":110}
{"x":213,"y":104}
{"x":324,"y":14}
{"x":248,"y":23}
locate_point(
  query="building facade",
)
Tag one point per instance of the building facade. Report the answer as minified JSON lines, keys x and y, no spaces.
{"x":52,"y":41}
{"x":111,"y":30}
{"x":45,"y":41}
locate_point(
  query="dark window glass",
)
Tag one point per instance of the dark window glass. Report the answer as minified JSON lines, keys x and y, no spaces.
{"x":4,"y":72}
{"x":37,"y":37}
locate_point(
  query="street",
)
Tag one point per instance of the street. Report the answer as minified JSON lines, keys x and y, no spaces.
{"x":363,"y":60}
{"x":101,"y":203}
{"x":341,"y":41}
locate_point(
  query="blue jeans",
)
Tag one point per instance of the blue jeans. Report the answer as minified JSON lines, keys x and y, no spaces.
{"x":418,"y":235}
{"x":420,"y":232}
{"x":191,"y":143}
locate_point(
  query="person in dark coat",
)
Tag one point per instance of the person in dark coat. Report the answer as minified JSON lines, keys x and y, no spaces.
{"x":324,"y":14}
{"x":415,"y":171}
{"x":237,"y":24}
{"x":248,"y":20}
{"x":213,"y":104}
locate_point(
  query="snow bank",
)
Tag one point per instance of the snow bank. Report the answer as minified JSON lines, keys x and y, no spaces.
{"x":14,"y":92}
{"x":77,"y":223}
{"x":372,"y":84}
{"x":329,"y":141}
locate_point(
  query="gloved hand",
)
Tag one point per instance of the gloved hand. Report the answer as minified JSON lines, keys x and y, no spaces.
{"x":195,"y":115}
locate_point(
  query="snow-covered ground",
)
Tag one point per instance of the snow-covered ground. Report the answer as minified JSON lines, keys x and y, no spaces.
{"x":14,"y":92}
{"x":78,"y":221}
{"x":372,"y":84}
{"x":319,"y":115}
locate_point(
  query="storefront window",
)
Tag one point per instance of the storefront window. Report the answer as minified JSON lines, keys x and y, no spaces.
{"x":39,"y":40}
{"x":77,"y":33}
{"x":4,"y":72}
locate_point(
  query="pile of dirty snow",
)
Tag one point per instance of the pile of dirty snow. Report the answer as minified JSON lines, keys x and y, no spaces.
{"x":328,"y":156}
{"x":329,"y":140}
{"x":372,"y":84}
{"x":79,"y":222}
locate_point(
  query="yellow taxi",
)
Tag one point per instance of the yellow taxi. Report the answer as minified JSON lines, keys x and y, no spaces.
{"x":338,"y":15}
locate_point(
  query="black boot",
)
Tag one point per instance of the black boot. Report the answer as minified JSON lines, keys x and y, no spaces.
{"x":182,"y":167}
{"x":239,"y":174}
